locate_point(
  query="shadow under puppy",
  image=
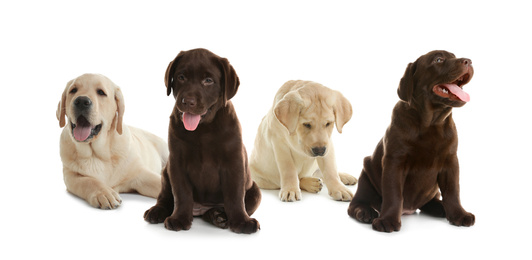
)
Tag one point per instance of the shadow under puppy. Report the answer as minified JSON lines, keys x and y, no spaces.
{"x":293,"y":144}
{"x":101,"y":156}
{"x":207,"y":172}
{"x":416,"y":158}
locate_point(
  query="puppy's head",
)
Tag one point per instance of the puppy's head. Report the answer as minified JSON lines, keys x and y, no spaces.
{"x":310,"y":111}
{"x":202,"y":82}
{"x":438,"y":77}
{"x":93,"y":105}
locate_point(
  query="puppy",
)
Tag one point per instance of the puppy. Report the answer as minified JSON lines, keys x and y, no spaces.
{"x":416,"y":158}
{"x":294,"y":142}
{"x":207,"y":172}
{"x":101,"y":156}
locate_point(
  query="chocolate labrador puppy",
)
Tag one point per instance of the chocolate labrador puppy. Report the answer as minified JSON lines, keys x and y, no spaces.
{"x":416,"y":158}
{"x":207,"y":171}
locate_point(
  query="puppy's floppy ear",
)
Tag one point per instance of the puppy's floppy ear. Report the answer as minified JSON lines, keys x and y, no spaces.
{"x":61,"y":107}
{"x":169,"y":75}
{"x":287,"y":110}
{"x":342,"y":111}
{"x":120,"y":107}
{"x":406,"y":86}
{"x":230,"y":80}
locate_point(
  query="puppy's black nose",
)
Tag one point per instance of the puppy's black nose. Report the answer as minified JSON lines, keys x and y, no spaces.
{"x":83,"y":102}
{"x":189,"y":102}
{"x":319,"y":151}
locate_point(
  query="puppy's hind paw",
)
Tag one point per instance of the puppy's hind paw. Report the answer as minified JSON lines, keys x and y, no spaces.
{"x":156,"y":214}
{"x":217,"y":217}
{"x":311,"y":184}
{"x":245,"y":227}
{"x":347,"y":179}
{"x":364,"y":214}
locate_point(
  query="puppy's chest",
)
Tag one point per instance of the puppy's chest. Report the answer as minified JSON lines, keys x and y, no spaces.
{"x":431,"y":149}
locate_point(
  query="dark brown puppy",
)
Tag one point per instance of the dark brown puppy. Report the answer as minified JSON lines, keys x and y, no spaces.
{"x":416,"y":158}
{"x":207,"y":172}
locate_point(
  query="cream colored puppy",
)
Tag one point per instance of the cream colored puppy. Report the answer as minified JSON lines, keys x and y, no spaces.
{"x":101,"y":156}
{"x":293,"y":144}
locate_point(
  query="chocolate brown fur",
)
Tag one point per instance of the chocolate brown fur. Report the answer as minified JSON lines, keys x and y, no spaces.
{"x":207,"y":172}
{"x":416,"y":159}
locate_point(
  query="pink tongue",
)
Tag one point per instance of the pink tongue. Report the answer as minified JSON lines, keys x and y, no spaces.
{"x":457,"y":91}
{"x":191,"y":121}
{"x":81,"y":133}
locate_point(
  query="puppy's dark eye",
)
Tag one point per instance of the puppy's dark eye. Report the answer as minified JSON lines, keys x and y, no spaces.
{"x":101,"y":93}
{"x":439,"y":60}
{"x":328,"y":124}
{"x":181,"y":77}
{"x":208,"y":81}
{"x":73,"y":91}
{"x":307,"y":125}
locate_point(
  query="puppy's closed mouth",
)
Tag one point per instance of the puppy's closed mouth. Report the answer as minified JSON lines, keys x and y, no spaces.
{"x":454,"y":90}
{"x":83,"y":130}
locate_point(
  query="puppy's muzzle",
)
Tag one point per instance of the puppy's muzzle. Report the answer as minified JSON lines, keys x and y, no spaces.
{"x":319,"y":151}
{"x":82,"y":104}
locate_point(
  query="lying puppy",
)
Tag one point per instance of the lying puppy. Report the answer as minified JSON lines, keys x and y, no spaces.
{"x":294,"y":142}
{"x":416,"y":158}
{"x":101,"y":156}
{"x":207,"y":172}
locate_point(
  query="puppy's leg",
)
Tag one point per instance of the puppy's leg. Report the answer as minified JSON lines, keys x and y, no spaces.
{"x":165,"y":202}
{"x":92,"y":190}
{"x":252,"y":199}
{"x":144,"y":182}
{"x":366,"y":198}
{"x":393,"y":177}
{"x":337,"y":189}
{"x":288,"y":173}
{"x":450,"y":191}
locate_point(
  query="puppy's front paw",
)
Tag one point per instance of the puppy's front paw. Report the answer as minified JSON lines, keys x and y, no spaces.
{"x":177,"y":223}
{"x":105,"y":198}
{"x":248,"y":226}
{"x":386,"y":225}
{"x":466,"y":219}
{"x":311,"y":184}
{"x":347,"y":179}
{"x":341,"y":193}
{"x":156,"y":214}
{"x":290,"y":195}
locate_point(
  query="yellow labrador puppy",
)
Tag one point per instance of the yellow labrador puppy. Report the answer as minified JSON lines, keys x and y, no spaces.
{"x":293,"y":144}
{"x":101,"y":156}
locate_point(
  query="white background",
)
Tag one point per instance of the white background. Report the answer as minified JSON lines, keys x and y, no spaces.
{"x":360,"y":48}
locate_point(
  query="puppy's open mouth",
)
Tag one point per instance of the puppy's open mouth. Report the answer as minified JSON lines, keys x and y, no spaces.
{"x":454,"y":90}
{"x":191,"y":121}
{"x":83,"y":130}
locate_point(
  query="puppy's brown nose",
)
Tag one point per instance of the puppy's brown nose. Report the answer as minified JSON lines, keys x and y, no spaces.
{"x":82,"y":102}
{"x":319,"y":151}
{"x":189,"y":102}
{"x":467,"y":62}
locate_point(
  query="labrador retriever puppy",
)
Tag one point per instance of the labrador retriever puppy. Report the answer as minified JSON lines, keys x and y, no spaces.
{"x":416,"y":159}
{"x":101,"y":156}
{"x":207,"y":172}
{"x":293,"y":142}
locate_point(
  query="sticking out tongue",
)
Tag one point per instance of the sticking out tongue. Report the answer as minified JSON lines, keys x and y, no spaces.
{"x":191,"y":121}
{"x":457,"y":91}
{"x":82,"y":130}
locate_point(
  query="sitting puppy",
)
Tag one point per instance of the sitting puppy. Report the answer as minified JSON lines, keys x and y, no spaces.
{"x":294,"y":142}
{"x":207,"y":172}
{"x":101,"y":156}
{"x":416,"y":158}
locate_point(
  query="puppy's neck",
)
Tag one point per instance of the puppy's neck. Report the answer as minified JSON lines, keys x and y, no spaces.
{"x":432,"y":116}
